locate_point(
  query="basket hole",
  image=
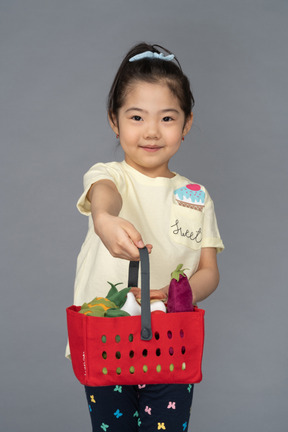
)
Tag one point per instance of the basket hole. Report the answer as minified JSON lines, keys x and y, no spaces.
{"x":104,"y":355}
{"x":158,"y":352}
{"x":171,"y":351}
{"x":118,"y":371}
{"x":145,"y":368}
{"x":183,"y":366}
{"x":117,"y":338}
{"x":171,"y":367}
{"x":169,"y":334}
{"x":183,"y":349}
{"x":158,"y":368}
{"x":105,"y":371}
{"x":130,"y":337}
{"x":144,"y":353}
{"x":104,"y":339}
{"x":157,"y":336}
{"x":131,"y":354}
{"x":181,"y":333}
{"x":118,"y":355}
{"x":132,"y":370}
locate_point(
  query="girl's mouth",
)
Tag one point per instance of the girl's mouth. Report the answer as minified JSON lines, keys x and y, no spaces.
{"x":151,"y":149}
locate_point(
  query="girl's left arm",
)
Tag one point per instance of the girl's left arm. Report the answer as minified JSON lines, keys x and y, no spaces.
{"x":206,"y":279}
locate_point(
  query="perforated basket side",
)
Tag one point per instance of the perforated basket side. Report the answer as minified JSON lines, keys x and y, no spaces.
{"x":76,"y":326}
{"x":115,"y":353}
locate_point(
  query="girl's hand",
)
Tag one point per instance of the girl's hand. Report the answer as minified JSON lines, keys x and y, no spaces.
{"x":119,"y":236}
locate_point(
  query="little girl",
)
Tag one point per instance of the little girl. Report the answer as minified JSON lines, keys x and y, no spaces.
{"x":140,"y":202}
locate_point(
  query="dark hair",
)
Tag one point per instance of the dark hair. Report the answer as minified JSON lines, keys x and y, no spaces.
{"x":151,"y":71}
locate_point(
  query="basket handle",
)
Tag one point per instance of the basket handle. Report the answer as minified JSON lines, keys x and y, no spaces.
{"x":146,"y":331}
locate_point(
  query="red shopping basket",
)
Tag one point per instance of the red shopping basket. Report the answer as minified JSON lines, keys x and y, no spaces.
{"x":152,"y":349}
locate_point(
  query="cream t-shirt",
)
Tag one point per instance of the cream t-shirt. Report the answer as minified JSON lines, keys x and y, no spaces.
{"x":174,"y":214}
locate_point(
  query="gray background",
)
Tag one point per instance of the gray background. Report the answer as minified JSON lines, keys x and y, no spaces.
{"x":58,"y":58}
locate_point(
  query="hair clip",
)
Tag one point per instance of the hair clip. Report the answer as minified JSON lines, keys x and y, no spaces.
{"x":151,"y":55}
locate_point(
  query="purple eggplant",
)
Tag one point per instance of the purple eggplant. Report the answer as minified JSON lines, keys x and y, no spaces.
{"x":180,"y":298}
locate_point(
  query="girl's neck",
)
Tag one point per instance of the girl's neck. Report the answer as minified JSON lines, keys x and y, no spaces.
{"x":151,"y":172}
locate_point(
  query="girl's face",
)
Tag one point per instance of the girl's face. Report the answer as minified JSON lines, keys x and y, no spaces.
{"x":151,"y":125}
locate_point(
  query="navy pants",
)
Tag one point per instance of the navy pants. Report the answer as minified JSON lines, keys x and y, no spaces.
{"x":144,"y":408}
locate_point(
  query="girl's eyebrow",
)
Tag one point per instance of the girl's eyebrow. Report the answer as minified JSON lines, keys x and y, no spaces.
{"x":144,"y":111}
{"x":134,"y":109}
{"x":170,"y":110}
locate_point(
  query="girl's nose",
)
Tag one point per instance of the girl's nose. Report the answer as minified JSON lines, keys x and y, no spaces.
{"x":152,"y":130}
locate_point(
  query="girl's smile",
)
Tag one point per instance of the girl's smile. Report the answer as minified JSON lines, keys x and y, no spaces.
{"x":151,"y":148}
{"x":151,"y":125}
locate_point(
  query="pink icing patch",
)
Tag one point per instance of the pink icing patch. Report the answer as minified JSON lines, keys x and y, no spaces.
{"x":193,"y":187}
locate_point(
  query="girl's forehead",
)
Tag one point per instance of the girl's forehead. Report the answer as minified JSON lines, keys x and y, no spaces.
{"x":142,"y":92}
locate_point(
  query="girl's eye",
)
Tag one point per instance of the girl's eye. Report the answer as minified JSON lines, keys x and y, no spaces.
{"x":136,"y":118}
{"x":167,"y":119}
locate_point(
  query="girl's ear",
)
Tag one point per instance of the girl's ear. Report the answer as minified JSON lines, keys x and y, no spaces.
{"x":113,"y":123}
{"x":188,"y":124}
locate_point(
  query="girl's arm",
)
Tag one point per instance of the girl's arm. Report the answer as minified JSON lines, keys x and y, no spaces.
{"x":118,"y":235}
{"x":205,"y":280}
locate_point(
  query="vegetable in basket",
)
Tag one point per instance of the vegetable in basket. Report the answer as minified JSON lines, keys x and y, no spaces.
{"x":180,"y":298}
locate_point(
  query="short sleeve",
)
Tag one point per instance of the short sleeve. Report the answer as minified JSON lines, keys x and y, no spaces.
{"x":211,"y":235}
{"x":99,"y":171}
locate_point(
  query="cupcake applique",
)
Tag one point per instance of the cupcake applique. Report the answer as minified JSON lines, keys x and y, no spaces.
{"x":190,"y":196}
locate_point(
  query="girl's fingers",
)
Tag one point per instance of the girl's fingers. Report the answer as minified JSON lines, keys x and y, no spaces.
{"x":134,"y":235}
{"x":149,"y":248}
{"x":136,"y":240}
{"x":122,"y":239}
{"x":130,"y":251}
{"x":139,"y":244}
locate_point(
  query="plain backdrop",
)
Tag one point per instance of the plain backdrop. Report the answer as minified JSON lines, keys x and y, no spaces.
{"x":58,"y":59}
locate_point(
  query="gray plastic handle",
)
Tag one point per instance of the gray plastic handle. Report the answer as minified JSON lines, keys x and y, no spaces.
{"x":146,"y":330}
